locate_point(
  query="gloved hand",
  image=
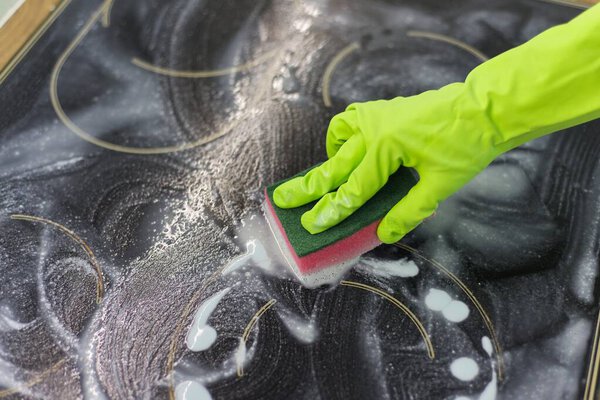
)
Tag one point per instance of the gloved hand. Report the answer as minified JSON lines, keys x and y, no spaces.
{"x":449,"y":135}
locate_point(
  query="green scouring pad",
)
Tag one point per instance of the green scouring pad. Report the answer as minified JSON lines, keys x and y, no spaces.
{"x":316,"y":258}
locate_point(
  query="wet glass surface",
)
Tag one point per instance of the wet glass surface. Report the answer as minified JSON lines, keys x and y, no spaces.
{"x":135,"y":139}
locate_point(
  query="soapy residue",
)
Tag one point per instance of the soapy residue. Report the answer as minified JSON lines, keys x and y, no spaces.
{"x":255,"y":255}
{"x":305,"y":331}
{"x":464,"y":368}
{"x":261,"y":252}
{"x":491,"y":389}
{"x":191,"y":390}
{"x":437,"y":299}
{"x":7,"y":322}
{"x":486,"y":343}
{"x":403,"y":268}
{"x":201,"y":335}
{"x":267,"y":250}
{"x":240,"y":357}
{"x":452,"y":310}
{"x":456,"y":311}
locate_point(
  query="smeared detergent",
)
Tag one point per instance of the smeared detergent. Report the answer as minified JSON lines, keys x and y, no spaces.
{"x":201,"y":335}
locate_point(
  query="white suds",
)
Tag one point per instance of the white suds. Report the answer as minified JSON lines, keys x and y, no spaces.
{"x":486,"y":343}
{"x":240,"y":355}
{"x":255,"y":255}
{"x":456,"y":311}
{"x":305,"y":331}
{"x":403,"y":268}
{"x":8,"y":323}
{"x":491,"y":390}
{"x":464,"y":369}
{"x":452,"y":310}
{"x":201,"y":335}
{"x":437,"y":299}
{"x":191,"y":390}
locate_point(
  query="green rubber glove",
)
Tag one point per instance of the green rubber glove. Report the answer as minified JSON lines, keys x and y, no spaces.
{"x":449,"y":135}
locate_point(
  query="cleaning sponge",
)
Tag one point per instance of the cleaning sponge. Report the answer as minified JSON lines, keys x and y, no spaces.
{"x":320,"y":258}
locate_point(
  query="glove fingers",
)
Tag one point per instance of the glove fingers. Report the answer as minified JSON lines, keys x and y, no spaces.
{"x":322,"y":179}
{"x":370,"y":176}
{"x":419,"y":203}
{"x":341,"y":127}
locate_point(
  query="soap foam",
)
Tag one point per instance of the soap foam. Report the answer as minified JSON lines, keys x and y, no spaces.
{"x":191,"y":390}
{"x":201,"y":335}
{"x":464,"y":369}
{"x":403,"y":268}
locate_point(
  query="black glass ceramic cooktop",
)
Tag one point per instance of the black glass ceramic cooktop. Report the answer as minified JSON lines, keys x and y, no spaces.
{"x":135,"y":139}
